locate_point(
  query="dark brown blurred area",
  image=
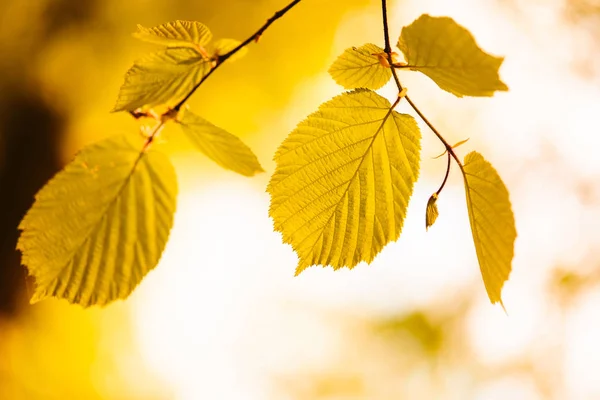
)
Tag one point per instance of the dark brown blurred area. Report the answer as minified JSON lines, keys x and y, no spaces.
{"x":31,"y":130}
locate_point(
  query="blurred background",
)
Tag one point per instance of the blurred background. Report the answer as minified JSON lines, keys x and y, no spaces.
{"x":222,"y":316}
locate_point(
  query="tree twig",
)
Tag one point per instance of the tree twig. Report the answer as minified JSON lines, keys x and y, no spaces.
{"x":393,"y":67}
{"x":388,"y":46}
{"x":221,"y":59}
{"x":435,"y":131}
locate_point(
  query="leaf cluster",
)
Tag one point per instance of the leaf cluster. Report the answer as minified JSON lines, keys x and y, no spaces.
{"x":101,"y":224}
{"x":343,"y":179}
{"x":344,"y":176}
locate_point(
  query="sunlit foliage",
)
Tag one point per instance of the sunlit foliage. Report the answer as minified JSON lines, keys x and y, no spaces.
{"x":340,"y":190}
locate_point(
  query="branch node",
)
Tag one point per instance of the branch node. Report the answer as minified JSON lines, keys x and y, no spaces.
{"x":141,"y":113}
{"x":170,"y":114}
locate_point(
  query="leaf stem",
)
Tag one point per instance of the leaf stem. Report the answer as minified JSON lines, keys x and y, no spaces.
{"x":393,"y":67}
{"x":253,"y":38}
{"x":436,"y":132}
{"x":154,"y":133}
{"x":149,"y":140}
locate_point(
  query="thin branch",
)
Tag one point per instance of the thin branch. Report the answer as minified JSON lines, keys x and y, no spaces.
{"x":386,"y":29}
{"x":435,"y":131}
{"x":394,"y":66}
{"x":253,"y":38}
{"x":402,"y":93}
{"x":388,"y":46}
{"x":446,"y":176}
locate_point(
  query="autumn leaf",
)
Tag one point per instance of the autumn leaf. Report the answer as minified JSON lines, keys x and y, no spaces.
{"x":168,"y":76}
{"x":219,"y":145}
{"x":99,"y":226}
{"x":162,"y":78}
{"x":492,"y":222}
{"x":448,"y":54}
{"x":176,"y":34}
{"x":360,"y":67}
{"x":343,"y":180}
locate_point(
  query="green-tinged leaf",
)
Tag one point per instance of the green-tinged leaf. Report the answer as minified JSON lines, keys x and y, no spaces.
{"x":455,"y":145}
{"x":360,"y":67}
{"x":219,"y":145}
{"x":176,"y":34}
{"x":447,"y":53}
{"x":431,"y":213}
{"x":460,"y":143}
{"x":100,"y":224}
{"x":343,"y":180}
{"x":439,"y":155}
{"x":161,"y":78}
{"x":221,"y":47}
{"x":492,"y":222}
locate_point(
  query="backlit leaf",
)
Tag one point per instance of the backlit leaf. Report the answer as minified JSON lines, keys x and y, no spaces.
{"x":360,"y":67}
{"x":431,"y":213}
{"x":343,"y":180}
{"x":447,"y":53}
{"x":100,"y":224}
{"x":161,"y":78}
{"x":492,"y":222}
{"x":176,"y":34}
{"x":219,"y":145}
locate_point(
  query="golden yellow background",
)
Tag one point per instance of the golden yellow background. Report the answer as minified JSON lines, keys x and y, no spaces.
{"x":222,"y":316}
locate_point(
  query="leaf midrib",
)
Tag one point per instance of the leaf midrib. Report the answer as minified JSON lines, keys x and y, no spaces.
{"x":388,"y":114}
{"x":103,"y":214}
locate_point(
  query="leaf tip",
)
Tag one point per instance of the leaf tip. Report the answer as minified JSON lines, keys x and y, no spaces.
{"x":502,"y":305}
{"x":37,"y":296}
{"x":300,"y":268}
{"x":258,"y":169}
{"x":503,"y":87}
{"x":140,"y":31}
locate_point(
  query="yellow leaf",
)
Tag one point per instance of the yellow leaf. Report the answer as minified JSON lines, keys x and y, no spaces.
{"x":161,"y":78}
{"x":219,"y":145}
{"x":431,"y":213}
{"x":460,"y":143}
{"x":343,"y":180}
{"x":448,"y":54}
{"x":176,"y":34}
{"x":492,"y":222}
{"x":360,"y":67}
{"x":100,"y":224}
